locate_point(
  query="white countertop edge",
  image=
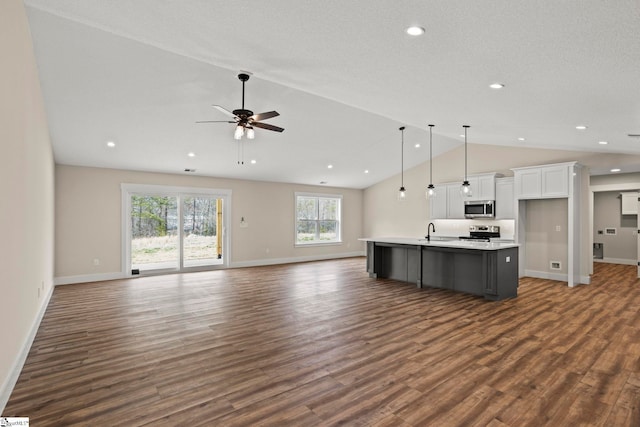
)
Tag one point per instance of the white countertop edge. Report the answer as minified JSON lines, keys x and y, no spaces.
{"x":460,"y":244}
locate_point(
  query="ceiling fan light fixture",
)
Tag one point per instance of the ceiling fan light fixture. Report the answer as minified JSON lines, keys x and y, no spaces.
{"x":250,"y":133}
{"x":238,"y":132}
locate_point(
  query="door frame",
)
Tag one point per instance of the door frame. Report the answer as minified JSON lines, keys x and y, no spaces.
{"x":127,"y":190}
{"x":608,"y":187}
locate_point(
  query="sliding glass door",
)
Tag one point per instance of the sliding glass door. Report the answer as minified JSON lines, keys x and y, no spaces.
{"x":169,"y":229}
{"x":154,"y":233}
{"x":202,"y":237}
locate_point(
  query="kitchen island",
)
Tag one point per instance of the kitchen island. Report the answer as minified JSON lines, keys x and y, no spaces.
{"x":488,"y":269}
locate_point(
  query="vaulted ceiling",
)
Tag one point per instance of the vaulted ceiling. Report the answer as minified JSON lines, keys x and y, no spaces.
{"x":343,"y":75}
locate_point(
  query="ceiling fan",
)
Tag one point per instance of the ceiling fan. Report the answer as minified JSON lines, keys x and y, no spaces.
{"x":244,"y":119}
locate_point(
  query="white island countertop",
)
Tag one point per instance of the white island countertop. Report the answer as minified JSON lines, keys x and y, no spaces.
{"x":460,"y":244}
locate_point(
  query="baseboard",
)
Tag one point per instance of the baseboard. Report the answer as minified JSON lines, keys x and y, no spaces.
{"x":617,"y":261}
{"x":84,"y":278}
{"x":10,"y":382}
{"x":273,"y":261}
{"x":562,"y":277}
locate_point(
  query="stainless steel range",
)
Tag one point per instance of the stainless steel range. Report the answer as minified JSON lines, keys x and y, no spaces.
{"x":482,"y":233}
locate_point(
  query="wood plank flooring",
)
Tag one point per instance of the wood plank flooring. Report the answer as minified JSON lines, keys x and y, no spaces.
{"x":321,"y":343}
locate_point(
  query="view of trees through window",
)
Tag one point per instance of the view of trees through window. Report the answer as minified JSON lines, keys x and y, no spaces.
{"x":154,"y":229}
{"x":317,"y":219}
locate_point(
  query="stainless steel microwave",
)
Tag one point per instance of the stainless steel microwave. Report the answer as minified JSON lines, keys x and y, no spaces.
{"x":479,"y":209}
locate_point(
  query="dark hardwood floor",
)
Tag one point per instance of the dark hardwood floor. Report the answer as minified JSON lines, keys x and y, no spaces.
{"x":321,"y":343}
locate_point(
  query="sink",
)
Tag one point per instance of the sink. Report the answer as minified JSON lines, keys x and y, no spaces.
{"x":438,"y":239}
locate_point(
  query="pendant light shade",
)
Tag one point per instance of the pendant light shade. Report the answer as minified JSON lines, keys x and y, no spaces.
{"x":465,"y":188}
{"x":431,"y":190}
{"x":402,"y":192}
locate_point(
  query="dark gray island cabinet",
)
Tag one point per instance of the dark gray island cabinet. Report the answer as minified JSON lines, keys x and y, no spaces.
{"x":486,"y":269}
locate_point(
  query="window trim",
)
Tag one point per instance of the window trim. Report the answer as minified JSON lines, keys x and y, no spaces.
{"x":315,"y":243}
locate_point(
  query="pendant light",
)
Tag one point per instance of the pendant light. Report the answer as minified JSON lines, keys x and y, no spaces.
{"x":431,"y":190}
{"x":465,"y":188}
{"x":402,"y":193}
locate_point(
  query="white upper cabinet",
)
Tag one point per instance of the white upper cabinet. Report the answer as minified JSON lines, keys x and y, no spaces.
{"x":504,"y":198}
{"x":483,"y":186}
{"x":540,"y":182}
{"x":455,"y":203}
{"x":528,"y":183}
{"x":438,"y":204}
{"x":629,"y":203}
{"x":449,"y":202}
{"x":555,"y":180}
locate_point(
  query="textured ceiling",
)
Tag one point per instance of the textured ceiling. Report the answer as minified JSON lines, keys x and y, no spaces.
{"x":342,"y":74}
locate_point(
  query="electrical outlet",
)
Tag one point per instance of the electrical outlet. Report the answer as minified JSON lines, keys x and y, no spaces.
{"x":96,"y":261}
{"x":508,"y":259}
{"x":557,"y":228}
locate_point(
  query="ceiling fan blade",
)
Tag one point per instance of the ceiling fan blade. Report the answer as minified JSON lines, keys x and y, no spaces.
{"x":267,"y":127}
{"x":224,"y":111}
{"x":264,"y":116}
{"x":215,"y":121}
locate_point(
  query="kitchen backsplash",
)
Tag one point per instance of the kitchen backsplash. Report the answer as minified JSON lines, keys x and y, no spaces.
{"x":460,"y":227}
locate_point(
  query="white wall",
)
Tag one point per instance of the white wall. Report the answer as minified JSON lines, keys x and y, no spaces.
{"x":26,"y":173}
{"x":88,"y":220}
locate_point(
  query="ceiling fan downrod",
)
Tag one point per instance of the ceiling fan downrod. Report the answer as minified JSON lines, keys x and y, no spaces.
{"x":242,"y":113}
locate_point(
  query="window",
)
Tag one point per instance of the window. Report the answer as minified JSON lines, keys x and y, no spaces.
{"x":318,"y":219}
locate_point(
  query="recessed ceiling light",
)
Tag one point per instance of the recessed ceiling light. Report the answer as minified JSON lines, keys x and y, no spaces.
{"x":496,"y":85}
{"x":254,"y":161}
{"x":191,"y":154}
{"x":329,"y":166}
{"x":417,"y":145}
{"x":603,"y":142}
{"x":520,"y":139}
{"x":615,"y":170}
{"x":111,"y":144}
{"x":461,"y":136}
{"x":366,"y":171}
{"x":581,"y":127}
{"x":415,"y":31}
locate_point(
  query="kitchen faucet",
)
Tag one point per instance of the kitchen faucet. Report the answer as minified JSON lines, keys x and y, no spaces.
{"x":429,"y":227}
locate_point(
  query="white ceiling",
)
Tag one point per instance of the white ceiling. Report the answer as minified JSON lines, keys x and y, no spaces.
{"x":343,"y":75}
